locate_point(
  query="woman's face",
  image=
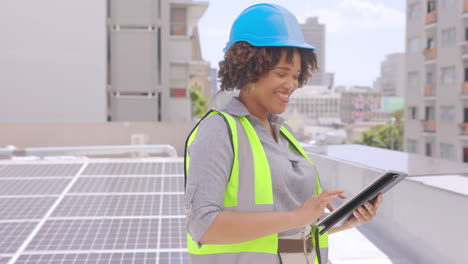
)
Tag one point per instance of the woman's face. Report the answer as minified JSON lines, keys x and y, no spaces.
{"x":271,"y":92}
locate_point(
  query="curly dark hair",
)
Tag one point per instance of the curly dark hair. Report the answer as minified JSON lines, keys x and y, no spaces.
{"x":244,"y":64}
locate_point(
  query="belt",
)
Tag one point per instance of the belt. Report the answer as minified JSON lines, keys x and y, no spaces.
{"x":294,"y":245}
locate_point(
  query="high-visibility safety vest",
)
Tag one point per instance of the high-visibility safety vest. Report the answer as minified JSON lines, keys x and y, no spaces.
{"x":256,"y":196}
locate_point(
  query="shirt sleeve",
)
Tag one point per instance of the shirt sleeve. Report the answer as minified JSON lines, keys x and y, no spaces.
{"x":211,"y":157}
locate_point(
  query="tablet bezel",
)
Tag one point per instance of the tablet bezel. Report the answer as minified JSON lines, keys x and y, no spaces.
{"x":380,"y":185}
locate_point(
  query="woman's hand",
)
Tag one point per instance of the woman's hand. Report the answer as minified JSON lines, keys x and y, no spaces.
{"x":363,"y":214}
{"x":314,"y":206}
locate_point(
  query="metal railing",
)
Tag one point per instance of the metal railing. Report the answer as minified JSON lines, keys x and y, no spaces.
{"x":113,"y":150}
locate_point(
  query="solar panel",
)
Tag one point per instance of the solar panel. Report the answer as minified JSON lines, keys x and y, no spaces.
{"x":173,"y":168}
{"x":145,"y":257}
{"x":127,"y":168}
{"x":12,"y":235}
{"x":109,"y":205}
{"x":25,"y":208}
{"x":97,"y":234}
{"x":174,"y":184}
{"x":173,"y":258}
{"x":4,"y":260}
{"x":33,"y":186}
{"x":96,"y":212}
{"x":117,"y":184}
{"x":173,"y":205}
{"x":40,"y":170}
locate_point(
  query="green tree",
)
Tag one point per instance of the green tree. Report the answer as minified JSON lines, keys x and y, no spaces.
{"x":199,"y":103}
{"x":389,"y":136}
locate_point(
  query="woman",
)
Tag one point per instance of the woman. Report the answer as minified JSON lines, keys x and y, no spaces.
{"x":251,"y":192}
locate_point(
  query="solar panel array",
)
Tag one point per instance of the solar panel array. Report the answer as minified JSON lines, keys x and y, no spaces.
{"x":97,"y":211}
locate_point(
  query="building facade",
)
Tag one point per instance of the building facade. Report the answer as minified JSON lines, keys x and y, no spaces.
{"x":99,"y":61}
{"x":392,"y":75}
{"x":314,"y":34}
{"x":313,"y":102}
{"x":155,"y":59}
{"x":358,"y":105}
{"x":436,"y":100}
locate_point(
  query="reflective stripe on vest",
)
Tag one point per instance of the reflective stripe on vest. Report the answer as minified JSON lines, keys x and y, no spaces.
{"x":257,"y":196}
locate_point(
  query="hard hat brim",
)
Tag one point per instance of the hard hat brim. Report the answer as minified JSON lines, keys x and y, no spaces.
{"x":302,"y":45}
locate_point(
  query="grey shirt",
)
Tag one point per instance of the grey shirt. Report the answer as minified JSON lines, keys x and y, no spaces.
{"x":211,"y":156}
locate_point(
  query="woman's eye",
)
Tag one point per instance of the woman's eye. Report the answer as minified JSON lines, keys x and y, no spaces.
{"x":280,"y":75}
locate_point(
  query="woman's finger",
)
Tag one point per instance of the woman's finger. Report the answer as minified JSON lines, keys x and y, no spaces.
{"x":358,"y":216}
{"x":378,"y":201}
{"x":365,"y":214}
{"x":330,"y":207}
{"x":370,"y":208}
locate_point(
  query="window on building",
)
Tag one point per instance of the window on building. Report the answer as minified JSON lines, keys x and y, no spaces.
{"x":447,"y":151}
{"x":428,"y":149}
{"x":430,"y":43}
{"x":448,"y":75}
{"x":466,"y":74}
{"x":466,"y":33}
{"x":429,"y":114}
{"x":413,"y":45}
{"x":178,"y":21}
{"x":413,"y":80}
{"x":448,"y":37}
{"x":414,"y":11}
{"x":465,"y":154}
{"x":412,"y":146}
{"x":429,"y":78}
{"x":465,"y":115}
{"x":431,"y":6}
{"x":447,"y":114}
{"x":413,"y":112}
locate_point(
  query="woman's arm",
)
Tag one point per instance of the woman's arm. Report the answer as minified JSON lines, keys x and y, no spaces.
{"x":233,"y":227}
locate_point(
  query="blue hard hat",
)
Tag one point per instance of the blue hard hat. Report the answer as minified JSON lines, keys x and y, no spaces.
{"x":267,"y":25}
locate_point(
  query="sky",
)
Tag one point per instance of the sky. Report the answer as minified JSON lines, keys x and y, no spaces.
{"x":359,"y":33}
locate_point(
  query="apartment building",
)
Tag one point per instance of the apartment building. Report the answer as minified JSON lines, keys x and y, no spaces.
{"x":154,"y":60}
{"x":101,"y":60}
{"x":436,"y":100}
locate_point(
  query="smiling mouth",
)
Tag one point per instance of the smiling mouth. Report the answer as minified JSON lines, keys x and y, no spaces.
{"x":283,"y":97}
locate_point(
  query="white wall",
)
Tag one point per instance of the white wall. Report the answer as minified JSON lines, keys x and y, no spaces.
{"x":53,"y":61}
{"x":416,"y":223}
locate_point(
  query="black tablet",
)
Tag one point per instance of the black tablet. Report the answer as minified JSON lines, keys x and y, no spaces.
{"x":380,"y":185}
